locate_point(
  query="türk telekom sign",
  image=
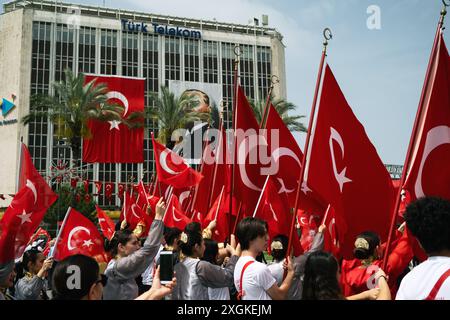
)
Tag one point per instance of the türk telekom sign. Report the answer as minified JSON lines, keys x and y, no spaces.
{"x":128,"y":25}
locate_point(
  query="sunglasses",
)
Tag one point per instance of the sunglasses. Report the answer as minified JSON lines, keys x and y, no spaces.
{"x":103,"y":280}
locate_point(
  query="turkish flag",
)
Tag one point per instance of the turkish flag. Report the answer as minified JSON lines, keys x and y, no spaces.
{"x":331,"y":238}
{"x":174,"y":216}
{"x":131,"y":212}
{"x":109,"y":189}
{"x":248,"y":180}
{"x":106,"y":224}
{"x":346,"y":171}
{"x":309,"y":224}
{"x":287,"y":157}
{"x":86,"y":186}
{"x":98,"y":186}
{"x":79,"y":235}
{"x":121,"y":187}
{"x":274,"y":209}
{"x":218,"y":212}
{"x":113,"y":141}
{"x":73,"y":182}
{"x":25,"y":212}
{"x":172,"y":169}
{"x":429,"y":168}
{"x":184,"y":196}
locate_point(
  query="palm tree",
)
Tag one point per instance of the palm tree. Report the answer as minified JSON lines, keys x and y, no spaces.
{"x":283,"y":107}
{"x":74,"y":104}
{"x":173,"y":113}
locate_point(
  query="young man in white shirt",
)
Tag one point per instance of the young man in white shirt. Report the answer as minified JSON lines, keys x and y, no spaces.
{"x":255,"y":278}
{"x":428,"y":219}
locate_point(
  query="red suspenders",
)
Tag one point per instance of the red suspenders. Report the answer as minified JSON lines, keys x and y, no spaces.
{"x":241,"y":292}
{"x":438,"y":285}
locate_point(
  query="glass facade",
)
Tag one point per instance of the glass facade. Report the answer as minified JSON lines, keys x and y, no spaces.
{"x":156,"y":58}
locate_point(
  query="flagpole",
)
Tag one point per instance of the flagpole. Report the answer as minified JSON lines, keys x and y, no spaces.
{"x":52,"y":253}
{"x":194,"y":198}
{"x":261,"y":195}
{"x":412,"y":140}
{"x":326,"y":214}
{"x":219,"y":147}
{"x":145,"y":193}
{"x":274,"y":80}
{"x":328,"y":36}
{"x":220,"y":202}
{"x":237,"y":52}
{"x":237,"y":218}
{"x":20,"y":163}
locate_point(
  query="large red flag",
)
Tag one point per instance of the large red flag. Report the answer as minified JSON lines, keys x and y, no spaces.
{"x":429,"y":171}
{"x":172,"y":169}
{"x":113,"y":141}
{"x":174,"y":216}
{"x":248,"y":180}
{"x":288,"y":157}
{"x":79,"y":235}
{"x":25,"y":212}
{"x":346,"y":171}
{"x":106,"y":224}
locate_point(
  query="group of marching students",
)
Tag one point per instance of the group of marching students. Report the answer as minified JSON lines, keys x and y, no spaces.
{"x":207,"y":270}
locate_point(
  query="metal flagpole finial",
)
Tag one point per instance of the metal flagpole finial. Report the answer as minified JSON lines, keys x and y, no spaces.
{"x":328,"y":35}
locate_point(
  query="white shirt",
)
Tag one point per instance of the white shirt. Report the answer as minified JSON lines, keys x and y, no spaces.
{"x":219,"y":293}
{"x":256,"y":281}
{"x":418,"y":283}
{"x":147,"y":276}
{"x":276,"y":269}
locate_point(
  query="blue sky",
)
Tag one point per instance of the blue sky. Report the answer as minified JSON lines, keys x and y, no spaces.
{"x":381,"y":72}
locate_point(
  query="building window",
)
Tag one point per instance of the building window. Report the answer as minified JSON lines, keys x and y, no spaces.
{"x":130,"y":54}
{"x":40,"y":83}
{"x":108,"y":52}
{"x":172,"y":57}
{"x":86,"y":50}
{"x":246,"y":71}
{"x":264,"y":59}
{"x":150,"y":65}
{"x":210,"y":62}
{"x":191,"y":60}
{"x":228,"y":58}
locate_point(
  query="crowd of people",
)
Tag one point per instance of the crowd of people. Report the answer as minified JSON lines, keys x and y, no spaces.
{"x":238,"y":270}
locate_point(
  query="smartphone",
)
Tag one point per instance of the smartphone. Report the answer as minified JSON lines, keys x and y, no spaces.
{"x":166,"y":266}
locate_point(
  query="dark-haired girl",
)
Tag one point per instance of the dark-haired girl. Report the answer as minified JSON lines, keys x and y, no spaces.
{"x":130,"y":260}
{"x":195,"y":276}
{"x":33,"y":285}
{"x":359,"y":274}
{"x":321,"y":281}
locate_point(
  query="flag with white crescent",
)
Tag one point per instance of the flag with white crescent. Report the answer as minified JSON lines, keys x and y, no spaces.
{"x":172,"y":169}
{"x":79,"y":235}
{"x":429,"y":170}
{"x":26,"y":210}
{"x":113,"y":141}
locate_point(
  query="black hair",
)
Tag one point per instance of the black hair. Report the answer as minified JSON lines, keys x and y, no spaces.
{"x":171,"y":234}
{"x":211,"y":251}
{"x":428,"y":219}
{"x":280,"y":254}
{"x":29,"y":256}
{"x":89,"y":273}
{"x":320,"y":281}
{"x":193,"y":227}
{"x":120,"y":237}
{"x":193,"y":238}
{"x":363,"y":253}
{"x":248,"y":229}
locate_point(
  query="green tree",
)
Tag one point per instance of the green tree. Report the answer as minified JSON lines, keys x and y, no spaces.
{"x":283,"y":108}
{"x":69,"y":197}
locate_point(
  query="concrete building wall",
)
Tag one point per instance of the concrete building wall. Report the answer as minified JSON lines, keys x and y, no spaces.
{"x":15,"y":68}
